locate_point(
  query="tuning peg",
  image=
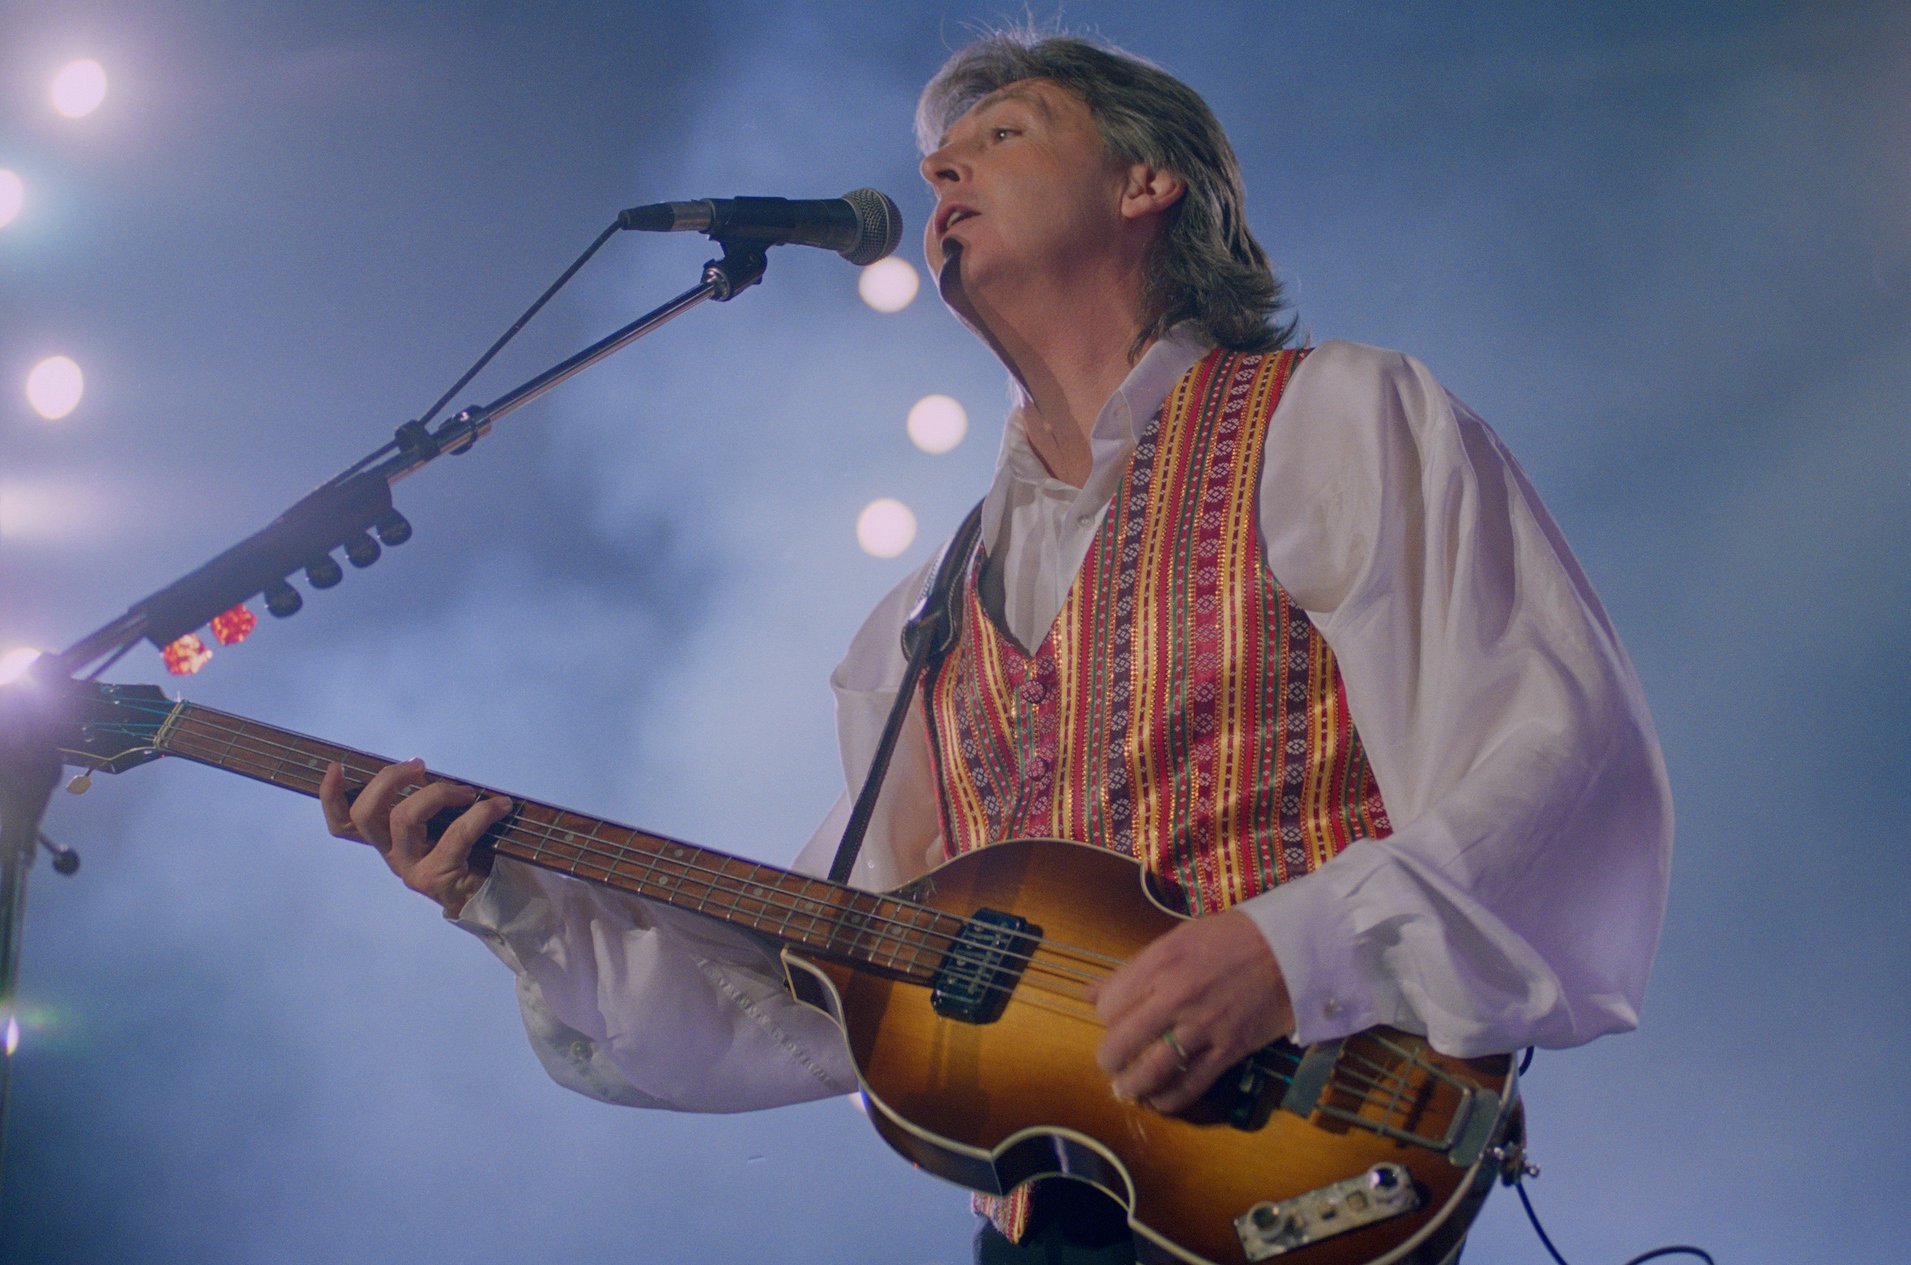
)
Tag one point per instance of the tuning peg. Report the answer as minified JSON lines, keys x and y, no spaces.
{"x":282,"y":599}
{"x":361,"y":550}
{"x":394,"y":529}
{"x":80,"y":784}
{"x":324,"y":572}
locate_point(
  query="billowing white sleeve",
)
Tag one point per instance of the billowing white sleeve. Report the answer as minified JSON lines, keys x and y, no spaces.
{"x":633,"y":1002}
{"x":1519,"y":898}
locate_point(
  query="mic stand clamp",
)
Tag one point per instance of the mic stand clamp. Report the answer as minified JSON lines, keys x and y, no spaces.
{"x":740,"y":268}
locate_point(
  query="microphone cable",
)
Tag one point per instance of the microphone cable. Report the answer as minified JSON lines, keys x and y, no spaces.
{"x":1519,"y":1188}
{"x":478,"y":366}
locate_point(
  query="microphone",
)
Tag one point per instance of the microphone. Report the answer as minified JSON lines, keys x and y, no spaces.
{"x":862,"y":226}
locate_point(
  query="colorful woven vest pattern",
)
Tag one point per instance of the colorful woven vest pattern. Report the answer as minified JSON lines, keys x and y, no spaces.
{"x":1182,"y":710}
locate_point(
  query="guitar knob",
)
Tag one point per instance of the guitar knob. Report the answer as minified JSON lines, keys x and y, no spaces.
{"x":324,"y":572}
{"x":282,"y":600}
{"x":394,"y":530}
{"x":361,"y":550}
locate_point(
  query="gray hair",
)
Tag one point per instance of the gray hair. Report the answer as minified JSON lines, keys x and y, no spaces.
{"x":1206,"y":268}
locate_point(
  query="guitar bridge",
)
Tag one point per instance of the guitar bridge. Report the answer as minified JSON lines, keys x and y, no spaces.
{"x":974,"y":980}
{"x":1273,"y":1229}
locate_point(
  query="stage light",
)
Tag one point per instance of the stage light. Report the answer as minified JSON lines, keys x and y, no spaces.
{"x":13,"y":1030}
{"x":79,"y":88}
{"x":937,"y":423}
{"x":889,"y":285}
{"x":54,"y":387}
{"x":885,"y":528}
{"x":13,"y":195}
{"x":14,"y":663}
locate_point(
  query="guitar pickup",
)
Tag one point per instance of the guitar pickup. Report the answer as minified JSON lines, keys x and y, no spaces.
{"x":974,"y":980}
{"x":1273,"y":1229}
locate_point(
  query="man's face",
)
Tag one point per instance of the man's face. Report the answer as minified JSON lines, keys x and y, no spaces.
{"x":1023,"y":187}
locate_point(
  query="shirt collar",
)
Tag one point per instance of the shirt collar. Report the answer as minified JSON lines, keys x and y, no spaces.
{"x":1117,"y":429}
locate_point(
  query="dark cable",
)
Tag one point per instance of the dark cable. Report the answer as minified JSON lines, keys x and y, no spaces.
{"x":1520,"y":1189}
{"x":1679,"y":1249}
{"x":511,"y":333}
{"x":494,"y":349}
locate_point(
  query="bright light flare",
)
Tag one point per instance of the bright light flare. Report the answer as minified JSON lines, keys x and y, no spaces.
{"x":13,"y":196}
{"x":937,"y":423}
{"x":13,"y":1035}
{"x":889,"y":285}
{"x":14,"y":663}
{"x":54,"y":387}
{"x":885,"y":528}
{"x":79,"y":88}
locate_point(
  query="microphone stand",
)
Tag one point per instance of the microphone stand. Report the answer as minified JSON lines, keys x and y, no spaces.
{"x":343,"y":512}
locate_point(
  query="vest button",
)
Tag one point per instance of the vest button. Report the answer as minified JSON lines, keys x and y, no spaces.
{"x":1037,"y":768}
{"x":1033,"y":691}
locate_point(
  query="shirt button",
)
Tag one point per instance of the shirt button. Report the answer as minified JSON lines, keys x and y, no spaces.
{"x":1033,"y":691}
{"x":1330,"y":1007}
{"x":1037,"y":767}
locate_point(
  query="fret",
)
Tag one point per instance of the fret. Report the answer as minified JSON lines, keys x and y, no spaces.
{"x":915,"y":949}
{"x":792,"y":908}
{"x":890,"y":937}
{"x":591,"y":841}
{"x":576,"y":857}
{"x":531,"y":844}
{"x":816,"y":925}
{"x":163,"y":734}
{"x":789,"y":912}
{"x":709,"y":887}
{"x":278,"y":765}
{"x":236,"y":731}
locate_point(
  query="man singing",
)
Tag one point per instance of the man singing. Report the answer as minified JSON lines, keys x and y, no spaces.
{"x":1288,"y":627}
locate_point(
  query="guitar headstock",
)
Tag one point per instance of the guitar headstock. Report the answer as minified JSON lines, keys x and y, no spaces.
{"x":106,"y":728}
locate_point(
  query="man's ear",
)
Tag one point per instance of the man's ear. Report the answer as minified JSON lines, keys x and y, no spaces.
{"x":1150,"y":191}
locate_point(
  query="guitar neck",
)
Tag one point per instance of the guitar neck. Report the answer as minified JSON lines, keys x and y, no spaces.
{"x":813,"y":915}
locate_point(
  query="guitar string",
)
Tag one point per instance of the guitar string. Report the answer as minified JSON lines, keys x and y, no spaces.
{"x":550,"y":833}
{"x":262,"y":747}
{"x":907,"y":935}
{"x":265,"y":748}
{"x":1376,"y":1075}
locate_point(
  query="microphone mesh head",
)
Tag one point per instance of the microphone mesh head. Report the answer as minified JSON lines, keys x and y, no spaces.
{"x":878,"y":225}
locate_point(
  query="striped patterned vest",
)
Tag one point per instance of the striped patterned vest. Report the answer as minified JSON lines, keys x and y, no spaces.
{"x":1182,"y":710}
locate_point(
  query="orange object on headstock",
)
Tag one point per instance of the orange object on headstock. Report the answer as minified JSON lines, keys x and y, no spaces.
{"x":186,"y":656}
{"x":234,"y":626}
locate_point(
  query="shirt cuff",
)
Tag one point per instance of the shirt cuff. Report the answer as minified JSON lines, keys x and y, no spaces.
{"x":508,"y":908}
{"x":1305,"y":923}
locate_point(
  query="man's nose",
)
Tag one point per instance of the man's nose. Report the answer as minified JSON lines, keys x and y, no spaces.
{"x":943,"y":166}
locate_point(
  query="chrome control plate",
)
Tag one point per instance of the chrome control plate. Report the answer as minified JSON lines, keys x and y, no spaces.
{"x":1271,"y":1229}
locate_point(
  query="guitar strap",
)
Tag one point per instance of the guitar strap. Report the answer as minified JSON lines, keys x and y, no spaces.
{"x":930,"y":633}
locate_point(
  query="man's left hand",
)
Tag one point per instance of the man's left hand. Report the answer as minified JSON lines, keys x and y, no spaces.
{"x":1188,"y":1006}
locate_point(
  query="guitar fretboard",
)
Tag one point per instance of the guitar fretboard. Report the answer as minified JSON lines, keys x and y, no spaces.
{"x":811,"y":914}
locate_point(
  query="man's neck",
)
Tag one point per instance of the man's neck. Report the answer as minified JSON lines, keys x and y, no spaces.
{"x":1068,"y":353}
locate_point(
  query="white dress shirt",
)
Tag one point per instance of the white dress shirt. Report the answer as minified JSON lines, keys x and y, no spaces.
{"x":1517,"y":902}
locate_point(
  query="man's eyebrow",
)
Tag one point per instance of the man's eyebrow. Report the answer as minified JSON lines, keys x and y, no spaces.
{"x":1021,"y":92}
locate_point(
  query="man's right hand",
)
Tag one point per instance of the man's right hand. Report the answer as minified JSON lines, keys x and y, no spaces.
{"x":393,"y":822}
